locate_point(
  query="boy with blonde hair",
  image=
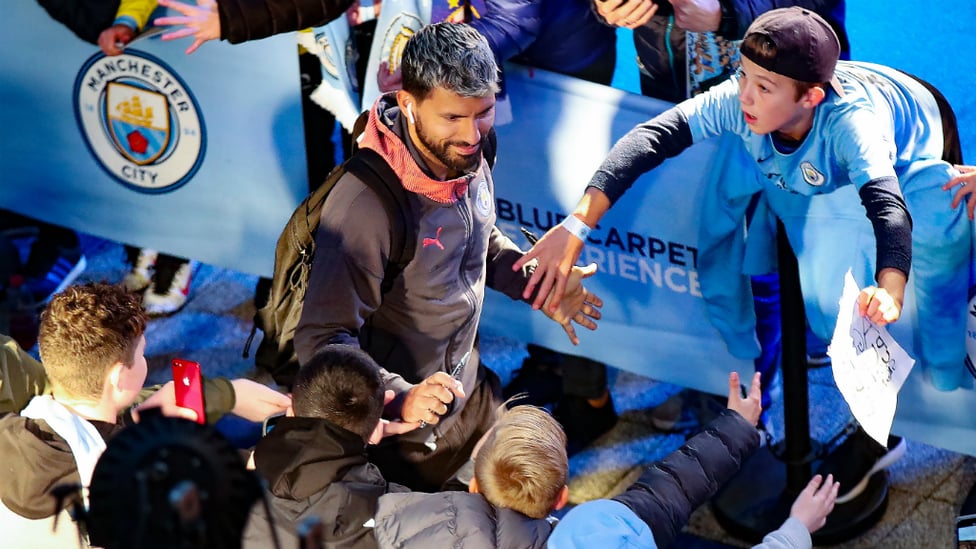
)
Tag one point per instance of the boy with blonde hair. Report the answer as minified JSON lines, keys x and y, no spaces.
{"x":522,"y":463}
{"x":520,"y":477}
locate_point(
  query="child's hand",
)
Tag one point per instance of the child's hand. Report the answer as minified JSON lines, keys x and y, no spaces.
{"x":966,"y":181}
{"x":385,"y":427}
{"x":750,"y":407}
{"x":815,"y":502}
{"x":201,"y":22}
{"x":626,"y":13}
{"x":255,"y":401}
{"x":388,"y":81}
{"x":164,"y":399}
{"x":878,"y":305}
{"x":113,"y":39}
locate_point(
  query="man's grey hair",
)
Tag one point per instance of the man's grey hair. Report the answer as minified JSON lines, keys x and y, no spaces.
{"x":453,"y":56}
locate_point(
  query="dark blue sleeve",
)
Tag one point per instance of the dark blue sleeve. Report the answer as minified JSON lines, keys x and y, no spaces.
{"x":892,"y":223}
{"x":669,"y":491}
{"x":641,"y":150}
{"x":746,"y":11}
{"x":510,"y":26}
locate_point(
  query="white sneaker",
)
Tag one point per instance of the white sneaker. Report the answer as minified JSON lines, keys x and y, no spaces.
{"x":139,"y":278}
{"x":164,"y":301}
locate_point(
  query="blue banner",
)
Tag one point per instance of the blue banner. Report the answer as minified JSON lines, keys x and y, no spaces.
{"x":201,"y":156}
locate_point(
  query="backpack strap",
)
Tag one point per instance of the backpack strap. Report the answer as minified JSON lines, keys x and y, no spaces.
{"x":377,"y":174}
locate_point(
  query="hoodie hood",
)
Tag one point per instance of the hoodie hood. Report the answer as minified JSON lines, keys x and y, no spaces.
{"x":302,"y":456}
{"x":386,"y":133}
{"x":35,"y":460}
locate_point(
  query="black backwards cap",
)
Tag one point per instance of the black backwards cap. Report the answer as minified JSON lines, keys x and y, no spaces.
{"x":807,"y":47}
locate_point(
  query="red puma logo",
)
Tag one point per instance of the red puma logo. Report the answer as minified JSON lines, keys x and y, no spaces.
{"x":435,"y":241}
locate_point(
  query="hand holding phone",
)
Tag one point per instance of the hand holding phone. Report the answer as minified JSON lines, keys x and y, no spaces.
{"x":188,"y":386}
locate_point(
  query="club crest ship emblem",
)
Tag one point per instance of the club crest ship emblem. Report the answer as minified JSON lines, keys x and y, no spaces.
{"x":811,"y":175}
{"x":140,"y":121}
{"x":483,"y":198}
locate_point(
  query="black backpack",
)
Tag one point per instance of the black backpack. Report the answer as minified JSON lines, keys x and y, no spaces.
{"x":295,"y":251}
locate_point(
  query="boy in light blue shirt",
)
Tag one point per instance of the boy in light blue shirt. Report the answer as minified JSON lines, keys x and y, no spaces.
{"x":822,"y":135}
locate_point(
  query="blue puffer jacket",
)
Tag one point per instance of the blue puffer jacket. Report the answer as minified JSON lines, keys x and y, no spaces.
{"x":558,"y":35}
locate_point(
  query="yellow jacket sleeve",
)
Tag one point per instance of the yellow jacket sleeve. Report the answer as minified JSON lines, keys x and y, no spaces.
{"x":135,"y":13}
{"x":21,"y":377}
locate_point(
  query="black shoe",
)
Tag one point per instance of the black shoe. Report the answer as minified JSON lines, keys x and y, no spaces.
{"x":582,"y":422}
{"x":857,"y":459}
{"x":686,"y":410}
{"x":539,"y":380}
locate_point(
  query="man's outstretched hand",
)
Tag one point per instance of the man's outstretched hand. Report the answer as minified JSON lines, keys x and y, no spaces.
{"x":577,"y":305}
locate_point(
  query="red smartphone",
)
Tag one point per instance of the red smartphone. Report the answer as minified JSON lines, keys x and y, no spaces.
{"x":189,"y":387}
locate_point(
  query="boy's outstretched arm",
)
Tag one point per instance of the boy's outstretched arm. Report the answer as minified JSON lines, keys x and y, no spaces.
{"x":669,"y":491}
{"x":642,"y":149}
{"x":892,"y":223}
{"x":558,"y":250}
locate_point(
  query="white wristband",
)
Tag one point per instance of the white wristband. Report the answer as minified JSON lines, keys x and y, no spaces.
{"x":576,"y":227}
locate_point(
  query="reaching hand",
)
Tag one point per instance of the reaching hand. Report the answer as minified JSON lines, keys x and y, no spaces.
{"x":165,"y":399}
{"x":815,"y":502}
{"x":557,"y":252}
{"x":697,"y":15}
{"x":878,"y":305}
{"x":388,"y":81}
{"x":256,"y":402}
{"x":750,"y":407}
{"x":385,"y":427}
{"x":578,"y":304}
{"x":966,"y":180}
{"x":629,"y":14}
{"x":427,"y":401}
{"x":113,"y":39}
{"x":200,"y":21}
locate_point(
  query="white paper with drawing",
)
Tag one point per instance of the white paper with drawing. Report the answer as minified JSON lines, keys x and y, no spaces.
{"x":869,"y":366}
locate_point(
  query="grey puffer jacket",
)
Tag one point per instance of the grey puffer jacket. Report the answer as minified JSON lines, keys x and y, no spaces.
{"x":428,"y":321}
{"x":454,"y":519}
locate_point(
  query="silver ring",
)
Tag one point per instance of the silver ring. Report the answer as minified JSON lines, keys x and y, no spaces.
{"x":423,"y":424}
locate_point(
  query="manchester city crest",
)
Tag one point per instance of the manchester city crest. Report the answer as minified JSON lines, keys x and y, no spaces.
{"x":483,"y":197}
{"x":139,"y":120}
{"x":811,"y":175}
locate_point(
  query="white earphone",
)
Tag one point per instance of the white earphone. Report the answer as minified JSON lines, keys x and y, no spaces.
{"x":410,"y":113}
